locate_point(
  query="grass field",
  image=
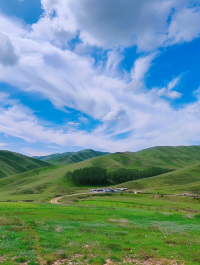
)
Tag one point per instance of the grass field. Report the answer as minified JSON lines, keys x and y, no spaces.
{"x":109,"y":228}
{"x":136,"y":229}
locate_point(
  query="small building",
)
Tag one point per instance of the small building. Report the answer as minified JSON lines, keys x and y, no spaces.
{"x":123,"y":189}
{"x":97,"y":190}
{"x":108,"y":190}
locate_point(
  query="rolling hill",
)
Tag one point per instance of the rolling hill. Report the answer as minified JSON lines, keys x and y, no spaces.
{"x":70,"y":157}
{"x":13,"y":163}
{"x":166,"y":157}
{"x":49,"y":182}
{"x":185,"y":180}
{"x":51,"y":157}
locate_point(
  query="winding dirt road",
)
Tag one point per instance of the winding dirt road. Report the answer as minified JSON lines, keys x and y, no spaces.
{"x":55,"y":200}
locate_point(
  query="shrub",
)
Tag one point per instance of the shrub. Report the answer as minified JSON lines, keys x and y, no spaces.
{"x":114,"y":247}
{"x":121,"y":233}
{"x":115,"y":259}
{"x":21,"y":259}
{"x":145,"y":255}
{"x":97,"y":261}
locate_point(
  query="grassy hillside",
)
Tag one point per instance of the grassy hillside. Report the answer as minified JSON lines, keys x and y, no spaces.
{"x":13,"y":163}
{"x":177,"y":157}
{"x":185,"y":180}
{"x":167,"y":157}
{"x":70,"y":158}
{"x":48,"y":182}
{"x":50,"y":157}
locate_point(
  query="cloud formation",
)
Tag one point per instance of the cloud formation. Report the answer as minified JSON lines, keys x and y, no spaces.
{"x":118,"y":101}
{"x":167,"y":92}
{"x":111,"y":23}
{"x":8,"y":55}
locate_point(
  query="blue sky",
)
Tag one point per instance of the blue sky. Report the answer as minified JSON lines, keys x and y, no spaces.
{"x":114,"y":75}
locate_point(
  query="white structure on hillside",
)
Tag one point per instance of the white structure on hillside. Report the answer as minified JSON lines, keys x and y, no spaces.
{"x":108,"y":190}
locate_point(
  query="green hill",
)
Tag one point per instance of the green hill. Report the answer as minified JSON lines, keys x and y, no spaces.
{"x":70,"y":158}
{"x":51,"y":157}
{"x":167,"y":157}
{"x":185,"y":180}
{"x":13,"y":163}
{"x":49,"y":182}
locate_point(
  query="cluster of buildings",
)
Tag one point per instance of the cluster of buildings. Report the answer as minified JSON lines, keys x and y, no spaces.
{"x":119,"y":190}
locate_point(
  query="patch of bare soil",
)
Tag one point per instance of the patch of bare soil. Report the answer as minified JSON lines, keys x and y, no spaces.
{"x":2,"y":259}
{"x":78,"y":257}
{"x":41,"y":261}
{"x":153,"y":262}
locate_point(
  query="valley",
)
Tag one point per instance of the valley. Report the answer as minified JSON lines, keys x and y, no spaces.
{"x":154,"y":226}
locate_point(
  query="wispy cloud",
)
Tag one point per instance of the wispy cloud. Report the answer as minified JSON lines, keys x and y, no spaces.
{"x":167,"y":92}
{"x":33,"y":152}
{"x":38,"y":60}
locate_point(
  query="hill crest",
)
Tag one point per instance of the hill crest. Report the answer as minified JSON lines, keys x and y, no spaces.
{"x":12,"y":163}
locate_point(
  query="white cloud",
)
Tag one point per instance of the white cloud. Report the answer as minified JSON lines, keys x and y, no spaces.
{"x":33,"y":152}
{"x":185,"y":25}
{"x":196,"y":93}
{"x":173,"y":83}
{"x":3,"y":144}
{"x":141,"y":67}
{"x":120,"y":101}
{"x":167,"y":92}
{"x":150,"y":123}
{"x":115,"y":115}
{"x":173,"y":94}
{"x":83,"y":119}
{"x":8,"y":55}
{"x":74,"y":124}
{"x":112,"y":23}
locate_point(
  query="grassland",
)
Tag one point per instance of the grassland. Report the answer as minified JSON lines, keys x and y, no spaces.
{"x":166,"y":157}
{"x":185,"y":180}
{"x":128,"y":229}
{"x":106,"y":228}
{"x":13,"y":163}
{"x":45,"y":183}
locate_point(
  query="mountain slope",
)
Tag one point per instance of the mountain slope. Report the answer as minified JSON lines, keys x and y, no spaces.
{"x":177,"y":157}
{"x":49,"y":182}
{"x":69,"y":158}
{"x":13,"y":163}
{"x":50,"y":157}
{"x":166,"y":157}
{"x":180,"y":181}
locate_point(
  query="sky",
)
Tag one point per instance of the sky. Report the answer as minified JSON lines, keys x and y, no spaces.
{"x":117,"y":75}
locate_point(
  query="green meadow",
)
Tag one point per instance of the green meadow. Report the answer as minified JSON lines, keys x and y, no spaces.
{"x":91,"y":229}
{"x":154,"y":226}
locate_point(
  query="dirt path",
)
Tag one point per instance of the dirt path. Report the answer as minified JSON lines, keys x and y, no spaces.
{"x":41,"y":261}
{"x":55,"y":200}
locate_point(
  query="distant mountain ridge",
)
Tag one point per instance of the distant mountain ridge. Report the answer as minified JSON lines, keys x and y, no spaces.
{"x":48,"y":157}
{"x":163,"y":156}
{"x":48,"y":182}
{"x":13,"y":163}
{"x":71,"y":157}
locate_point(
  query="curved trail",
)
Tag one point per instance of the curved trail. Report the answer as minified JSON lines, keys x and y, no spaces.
{"x":55,"y":200}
